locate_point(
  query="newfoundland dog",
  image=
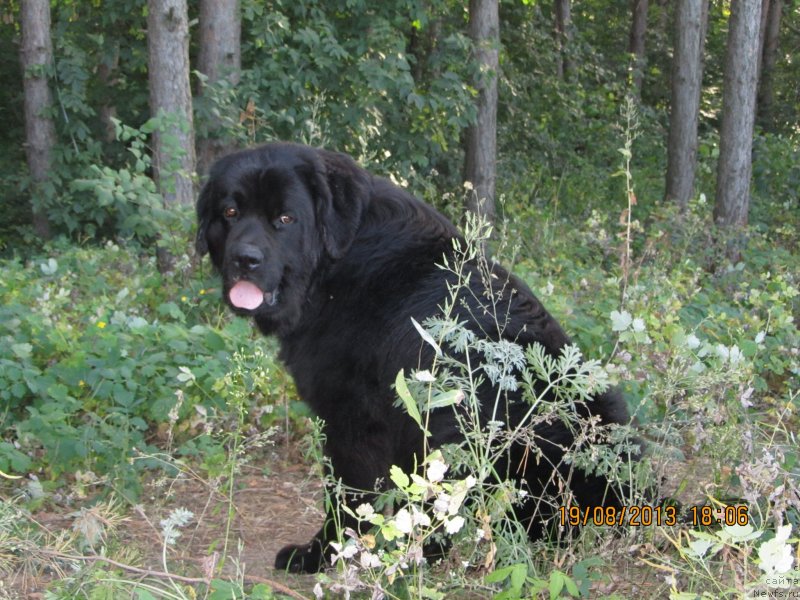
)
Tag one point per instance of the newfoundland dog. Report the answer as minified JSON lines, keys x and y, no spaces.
{"x":338,"y":264}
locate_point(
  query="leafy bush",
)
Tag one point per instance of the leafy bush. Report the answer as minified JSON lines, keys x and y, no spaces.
{"x":99,"y":351}
{"x":344,"y":75}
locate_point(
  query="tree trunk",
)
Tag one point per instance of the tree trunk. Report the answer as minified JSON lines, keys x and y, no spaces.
{"x":687,"y":76}
{"x":636,"y":42}
{"x":761,"y":29}
{"x":481,"y":155}
{"x":738,"y":114}
{"x":665,"y":11}
{"x":220,"y":58}
{"x":563,"y":26}
{"x":170,"y":96}
{"x":40,"y":132}
{"x":422,"y":45}
{"x":769,"y":57}
{"x":108,"y":109}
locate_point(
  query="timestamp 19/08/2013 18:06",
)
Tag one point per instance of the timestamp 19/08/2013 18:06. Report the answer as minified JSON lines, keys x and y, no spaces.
{"x":645,"y":515}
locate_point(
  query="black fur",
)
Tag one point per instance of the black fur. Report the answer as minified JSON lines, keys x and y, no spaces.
{"x":356,"y":264}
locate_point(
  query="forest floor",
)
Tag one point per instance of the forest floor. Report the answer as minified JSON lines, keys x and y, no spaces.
{"x":272,"y":507}
{"x":277,"y":501}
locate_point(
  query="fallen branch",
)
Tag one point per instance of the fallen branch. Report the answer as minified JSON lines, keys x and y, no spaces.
{"x":274,"y":584}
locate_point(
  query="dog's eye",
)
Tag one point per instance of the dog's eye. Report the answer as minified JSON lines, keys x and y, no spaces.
{"x":286,"y":219}
{"x":231,"y":212}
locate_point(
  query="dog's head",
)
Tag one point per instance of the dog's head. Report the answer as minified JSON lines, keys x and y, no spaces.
{"x":269,"y":216}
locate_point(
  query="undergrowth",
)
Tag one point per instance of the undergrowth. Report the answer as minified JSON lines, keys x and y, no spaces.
{"x":111,"y":374}
{"x":709,"y":360}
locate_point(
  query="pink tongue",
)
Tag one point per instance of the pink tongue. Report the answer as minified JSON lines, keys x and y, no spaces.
{"x":246,"y":295}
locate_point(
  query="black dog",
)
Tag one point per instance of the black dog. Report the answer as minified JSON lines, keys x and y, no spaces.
{"x":335,"y":262}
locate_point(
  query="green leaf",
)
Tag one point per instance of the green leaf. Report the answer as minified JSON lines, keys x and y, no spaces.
{"x":399,"y":478}
{"x":446,"y":399}
{"x":698,"y":548}
{"x":518,"y":576}
{"x":556,"y":584}
{"x":390,"y":532}
{"x":224,"y":590}
{"x":426,"y":336}
{"x":22,"y":350}
{"x":10,"y":456}
{"x":261,"y":591}
{"x":572,"y":587}
{"x":499,"y":575}
{"x":408,"y":400}
{"x":214,"y":341}
{"x":431,"y":593}
{"x":749,"y":348}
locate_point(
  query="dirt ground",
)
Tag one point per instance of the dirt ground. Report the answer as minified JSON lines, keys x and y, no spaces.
{"x":274,"y":505}
{"x":277,"y":500}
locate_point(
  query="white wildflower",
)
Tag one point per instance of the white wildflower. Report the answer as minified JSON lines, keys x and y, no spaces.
{"x":185,"y":375}
{"x":620,"y":321}
{"x":745,"y":398}
{"x":425,"y":376}
{"x":436,"y":471}
{"x":441,"y":505}
{"x":735,"y":355}
{"x":369,"y":560}
{"x":403,"y":521}
{"x":365,"y":511}
{"x":343,"y":553}
{"x":775,"y":554}
{"x":415,"y":555}
{"x":454,"y":525}
{"x":419,"y":518}
{"x":692,"y":341}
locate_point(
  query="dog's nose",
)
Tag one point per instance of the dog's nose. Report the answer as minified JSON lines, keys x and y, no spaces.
{"x":247,"y":257}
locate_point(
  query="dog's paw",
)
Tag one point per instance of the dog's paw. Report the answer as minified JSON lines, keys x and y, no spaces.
{"x":305,"y":558}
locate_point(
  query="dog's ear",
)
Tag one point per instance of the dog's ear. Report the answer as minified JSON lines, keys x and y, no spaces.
{"x":203,"y":218}
{"x":341,"y":191}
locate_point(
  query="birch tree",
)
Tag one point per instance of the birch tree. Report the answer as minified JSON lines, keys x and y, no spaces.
{"x":40,"y":133}
{"x":562,"y":10}
{"x":636,"y":41}
{"x":220,"y":58}
{"x":738,"y":114}
{"x":171,"y":99}
{"x":687,"y":75}
{"x":769,"y":56}
{"x":481,"y":155}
